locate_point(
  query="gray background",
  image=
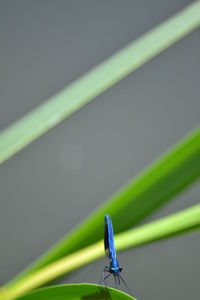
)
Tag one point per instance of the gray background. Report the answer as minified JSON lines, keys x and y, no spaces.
{"x":53,"y":184}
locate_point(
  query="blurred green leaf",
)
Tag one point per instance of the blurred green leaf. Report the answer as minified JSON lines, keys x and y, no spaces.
{"x":181,"y":222}
{"x":76,"y":292}
{"x":95,"y":82}
{"x":155,"y":186}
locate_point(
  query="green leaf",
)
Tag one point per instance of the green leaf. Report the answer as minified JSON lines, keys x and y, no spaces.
{"x":184,"y":221}
{"x":95,"y":82}
{"x":76,"y":292}
{"x":155,"y":186}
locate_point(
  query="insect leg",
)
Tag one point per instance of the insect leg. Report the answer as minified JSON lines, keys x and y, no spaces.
{"x":106,"y":269}
{"x":104,"y":279}
{"x":117,"y":282}
{"x":118,"y":278}
{"x":125,"y":285}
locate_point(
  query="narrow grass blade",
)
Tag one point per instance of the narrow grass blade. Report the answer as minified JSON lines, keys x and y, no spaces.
{"x":79,"y":93}
{"x":181,"y":222}
{"x":184,"y":221}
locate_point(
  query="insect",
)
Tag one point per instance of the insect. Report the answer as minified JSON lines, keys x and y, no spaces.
{"x":114,"y":268}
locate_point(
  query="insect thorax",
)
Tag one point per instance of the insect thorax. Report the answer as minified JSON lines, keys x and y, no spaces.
{"x":114,"y":266}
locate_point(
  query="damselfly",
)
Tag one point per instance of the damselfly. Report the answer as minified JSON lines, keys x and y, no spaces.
{"x":114,"y":268}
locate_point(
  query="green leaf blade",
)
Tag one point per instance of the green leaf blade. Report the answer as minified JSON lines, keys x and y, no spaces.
{"x":178,"y":223}
{"x":77,"y":292}
{"x":69,"y":100}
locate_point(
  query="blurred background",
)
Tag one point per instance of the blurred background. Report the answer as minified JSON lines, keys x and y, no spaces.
{"x":53,"y":184}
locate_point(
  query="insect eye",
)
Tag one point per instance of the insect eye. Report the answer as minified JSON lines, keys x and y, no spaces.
{"x":120,"y":269}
